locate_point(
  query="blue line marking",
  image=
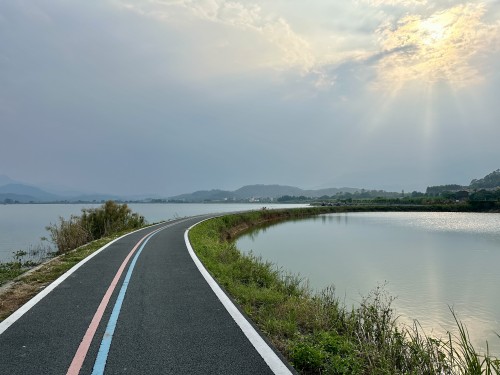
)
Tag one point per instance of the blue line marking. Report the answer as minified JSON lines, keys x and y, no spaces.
{"x":102,"y":356}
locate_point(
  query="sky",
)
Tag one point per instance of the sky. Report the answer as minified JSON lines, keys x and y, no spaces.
{"x":173,"y":96}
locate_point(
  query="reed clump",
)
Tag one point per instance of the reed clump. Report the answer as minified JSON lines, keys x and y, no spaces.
{"x":316,"y":332}
{"x":92,"y":224}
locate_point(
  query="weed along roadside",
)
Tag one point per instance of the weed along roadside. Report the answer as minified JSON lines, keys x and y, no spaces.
{"x":75,"y":239}
{"x":315,"y":331}
{"x":21,"y":289}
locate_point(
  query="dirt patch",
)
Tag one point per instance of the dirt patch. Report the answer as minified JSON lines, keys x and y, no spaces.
{"x":16,"y":293}
{"x":15,"y":296}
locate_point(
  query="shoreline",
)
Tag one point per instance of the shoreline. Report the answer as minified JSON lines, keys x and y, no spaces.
{"x":314,"y":330}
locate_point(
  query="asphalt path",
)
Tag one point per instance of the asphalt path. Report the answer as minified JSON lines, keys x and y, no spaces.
{"x":162,"y":317}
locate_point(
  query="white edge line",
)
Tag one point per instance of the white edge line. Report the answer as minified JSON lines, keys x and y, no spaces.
{"x":6,"y":323}
{"x":269,"y":356}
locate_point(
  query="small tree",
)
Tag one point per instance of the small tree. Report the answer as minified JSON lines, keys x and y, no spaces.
{"x":94,"y":223}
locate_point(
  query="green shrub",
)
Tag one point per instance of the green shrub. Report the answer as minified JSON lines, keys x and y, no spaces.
{"x":68,"y":234}
{"x":109,"y":218}
{"x":94,"y":223}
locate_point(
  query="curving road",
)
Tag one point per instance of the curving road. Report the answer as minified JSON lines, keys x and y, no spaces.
{"x":139,"y":306}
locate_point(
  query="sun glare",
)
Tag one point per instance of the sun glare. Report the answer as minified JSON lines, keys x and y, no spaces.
{"x":435,"y":48}
{"x":433,"y":31}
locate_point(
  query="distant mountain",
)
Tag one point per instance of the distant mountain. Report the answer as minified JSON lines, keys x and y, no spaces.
{"x":490,"y":181}
{"x":277,"y":191}
{"x":5,"y":180}
{"x":12,"y":198}
{"x":205,"y":195}
{"x":12,"y":192}
{"x":27,"y":193}
{"x":257,"y":192}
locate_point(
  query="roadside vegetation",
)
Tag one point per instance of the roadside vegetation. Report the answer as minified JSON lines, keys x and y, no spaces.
{"x":316,"y":332}
{"x":74,"y":239}
{"x":24,"y":260}
{"x":94,"y":223}
{"x":31,"y":280}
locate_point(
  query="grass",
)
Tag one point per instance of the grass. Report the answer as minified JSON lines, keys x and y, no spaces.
{"x":24,"y":260}
{"x":11,"y":270}
{"x":315,"y":331}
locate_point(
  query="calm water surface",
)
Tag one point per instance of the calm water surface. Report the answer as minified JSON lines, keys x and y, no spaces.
{"x":429,"y":261}
{"x":22,"y":225}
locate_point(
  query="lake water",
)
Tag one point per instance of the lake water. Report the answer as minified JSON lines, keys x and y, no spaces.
{"x":22,"y":225}
{"x":430,"y":261}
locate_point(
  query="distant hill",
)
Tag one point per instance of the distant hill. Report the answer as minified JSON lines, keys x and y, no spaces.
{"x":12,"y":191}
{"x":5,"y":180}
{"x":257,"y":192}
{"x":15,"y":192}
{"x":277,"y":191}
{"x":205,"y":195}
{"x":490,"y":181}
{"x":26,"y":193}
{"x":15,"y":198}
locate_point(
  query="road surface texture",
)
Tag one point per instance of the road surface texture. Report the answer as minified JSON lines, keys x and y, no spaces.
{"x":162,"y":317}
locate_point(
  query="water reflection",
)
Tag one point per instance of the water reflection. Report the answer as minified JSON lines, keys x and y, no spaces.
{"x":431,"y":261}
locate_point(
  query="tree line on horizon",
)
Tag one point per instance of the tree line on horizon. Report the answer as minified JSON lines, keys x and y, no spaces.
{"x":486,"y":189}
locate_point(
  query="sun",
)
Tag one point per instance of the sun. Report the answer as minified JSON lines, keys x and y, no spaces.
{"x":435,"y":48}
{"x":433,"y":31}
{"x":428,"y":54}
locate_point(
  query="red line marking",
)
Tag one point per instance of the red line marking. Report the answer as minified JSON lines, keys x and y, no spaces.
{"x":81,"y":353}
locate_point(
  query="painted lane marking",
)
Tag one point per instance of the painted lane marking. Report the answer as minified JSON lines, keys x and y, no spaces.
{"x":32,"y":302}
{"x":81,"y":353}
{"x":273,"y":361}
{"x":102,"y":355}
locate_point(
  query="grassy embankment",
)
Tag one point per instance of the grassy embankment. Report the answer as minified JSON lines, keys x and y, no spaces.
{"x":316,"y":332}
{"x":75,"y":239}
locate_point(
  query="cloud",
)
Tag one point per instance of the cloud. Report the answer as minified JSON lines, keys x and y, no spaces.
{"x":405,"y":3}
{"x":291,"y":50}
{"x":244,"y":91}
{"x":403,"y":40}
{"x":409,"y":39}
{"x":438,"y":47}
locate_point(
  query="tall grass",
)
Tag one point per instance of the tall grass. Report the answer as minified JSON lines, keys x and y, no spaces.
{"x":94,"y":223}
{"x":316,"y":331}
